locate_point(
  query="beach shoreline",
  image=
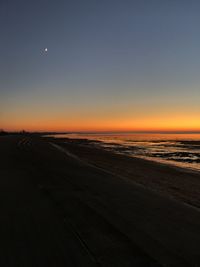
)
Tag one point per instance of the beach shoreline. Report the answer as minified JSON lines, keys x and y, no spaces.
{"x":180,"y":183}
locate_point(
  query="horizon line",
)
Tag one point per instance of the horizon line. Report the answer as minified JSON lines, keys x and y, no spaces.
{"x":105,"y":131}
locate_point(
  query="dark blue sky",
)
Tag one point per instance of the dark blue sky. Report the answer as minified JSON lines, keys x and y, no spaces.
{"x":121,"y":63}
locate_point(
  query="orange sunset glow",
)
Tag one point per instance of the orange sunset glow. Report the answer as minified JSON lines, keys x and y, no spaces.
{"x":124,"y":81}
{"x":173,"y":123}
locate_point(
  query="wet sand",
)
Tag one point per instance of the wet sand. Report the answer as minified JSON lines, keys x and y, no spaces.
{"x":179,"y":183}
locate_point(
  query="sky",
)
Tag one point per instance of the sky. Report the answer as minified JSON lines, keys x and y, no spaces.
{"x":111,"y":65}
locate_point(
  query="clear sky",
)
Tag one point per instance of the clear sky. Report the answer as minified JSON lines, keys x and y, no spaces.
{"x":110,"y":65}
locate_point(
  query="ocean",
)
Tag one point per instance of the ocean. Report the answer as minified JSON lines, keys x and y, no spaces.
{"x":181,"y":150}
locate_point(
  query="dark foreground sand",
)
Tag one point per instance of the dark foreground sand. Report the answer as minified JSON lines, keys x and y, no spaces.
{"x":57,"y":210}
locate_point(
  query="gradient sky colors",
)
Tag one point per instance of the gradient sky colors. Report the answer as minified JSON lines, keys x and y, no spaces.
{"x":110,"y":65}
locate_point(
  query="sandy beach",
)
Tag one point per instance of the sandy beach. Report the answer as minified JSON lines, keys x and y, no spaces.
{"x":64,"y":203}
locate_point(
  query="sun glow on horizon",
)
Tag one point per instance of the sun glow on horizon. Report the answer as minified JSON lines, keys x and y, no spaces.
{"x":176,"y":123}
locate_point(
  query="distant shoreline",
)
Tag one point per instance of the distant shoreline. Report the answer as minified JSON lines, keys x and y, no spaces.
{"x":179,"y":150}
{"x":179,"y":183}
{"x":42,"y":132}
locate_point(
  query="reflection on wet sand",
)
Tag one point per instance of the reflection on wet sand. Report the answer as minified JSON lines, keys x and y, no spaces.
{"x":182,"y":150}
